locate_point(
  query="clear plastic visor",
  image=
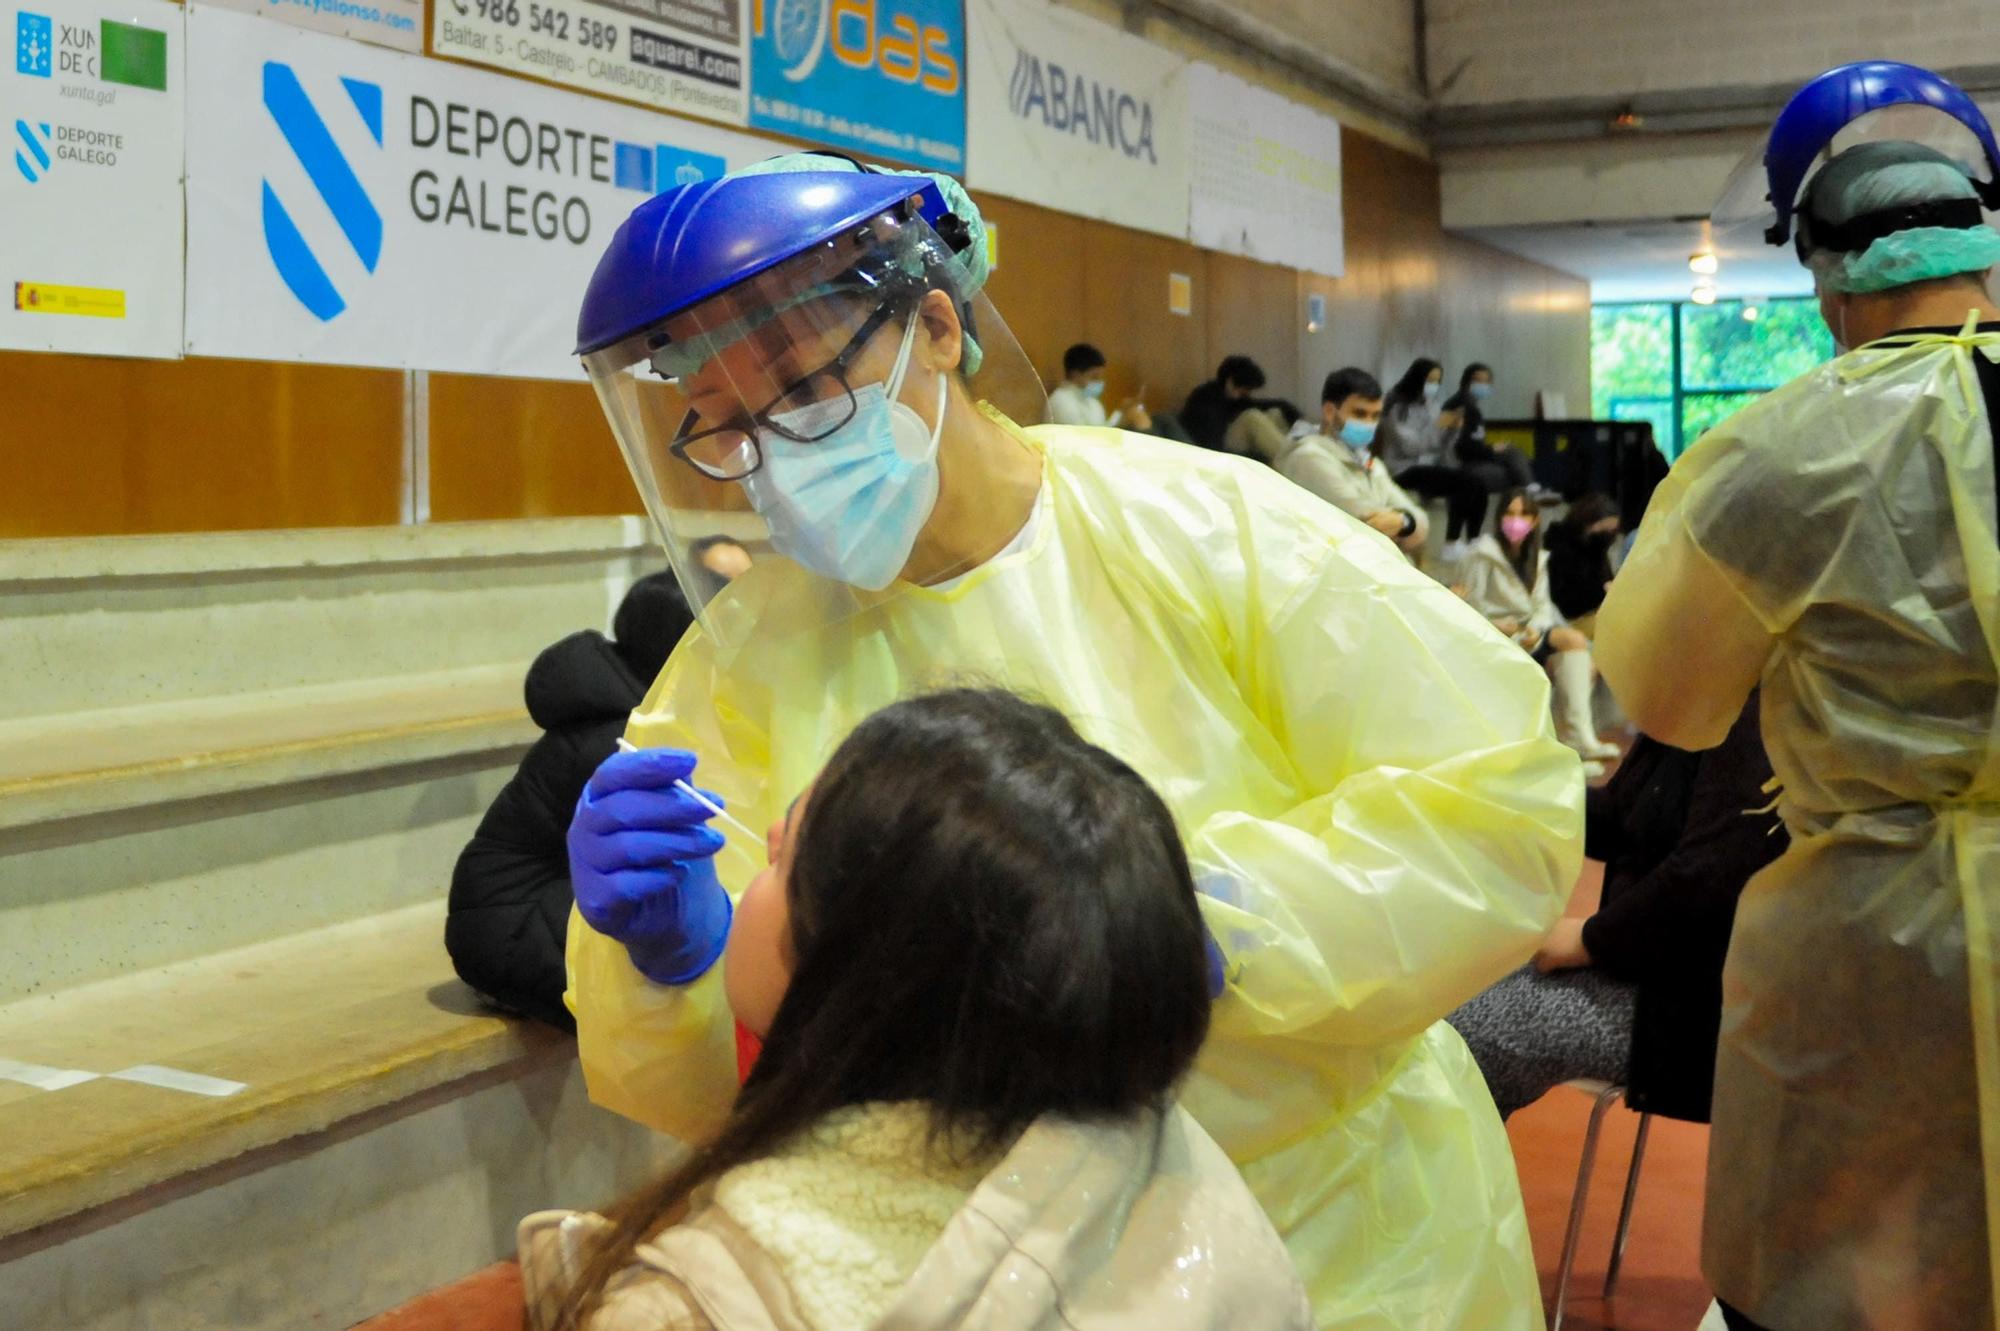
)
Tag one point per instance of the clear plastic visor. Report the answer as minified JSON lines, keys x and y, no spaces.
{"x":796,"y":414}
{"x":1744,"y":213}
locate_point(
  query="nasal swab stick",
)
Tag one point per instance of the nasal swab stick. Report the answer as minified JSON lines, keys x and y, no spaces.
{"x":627,"y":746}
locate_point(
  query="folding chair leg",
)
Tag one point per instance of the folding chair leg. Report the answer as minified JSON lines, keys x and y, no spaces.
{"x":1625,"y":1212}
{"x":1605,"y":1100}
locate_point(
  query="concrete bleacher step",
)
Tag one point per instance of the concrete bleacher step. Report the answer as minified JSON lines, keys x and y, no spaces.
{"x":235,"y":771}
{"x":387,"y":1134}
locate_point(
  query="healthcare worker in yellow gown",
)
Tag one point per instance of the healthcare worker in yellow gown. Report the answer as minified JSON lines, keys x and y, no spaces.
{"x":1374,"y":803}
{"x":1837,"y":540}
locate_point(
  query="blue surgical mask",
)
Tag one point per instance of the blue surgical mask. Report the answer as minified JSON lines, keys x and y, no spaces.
{"x":1479,"y":392}
{"x":1357,"y":434}
{"x":850,"y":506}
{"x":1095,"y":388}
{"x":1431,"y":391}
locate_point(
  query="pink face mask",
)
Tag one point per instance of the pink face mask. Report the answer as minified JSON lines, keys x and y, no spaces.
{"x":1517,"y":529}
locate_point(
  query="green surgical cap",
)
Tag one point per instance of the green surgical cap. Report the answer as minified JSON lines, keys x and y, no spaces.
{"x":1873,"y":177}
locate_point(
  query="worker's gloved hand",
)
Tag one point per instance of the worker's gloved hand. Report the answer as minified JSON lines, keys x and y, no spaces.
{"x":642,"y":864}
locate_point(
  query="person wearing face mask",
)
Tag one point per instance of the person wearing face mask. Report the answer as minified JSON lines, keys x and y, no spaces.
{"x":1836,"y":546}
{"x":808,"y":346}
{"x":1506,"y":578}
{"x":1496,"y":467}
{"x":1337,"y":463}
{"x":1580,"y":559}
{"x":1412,"y":444}
{"x":1079,"y":398}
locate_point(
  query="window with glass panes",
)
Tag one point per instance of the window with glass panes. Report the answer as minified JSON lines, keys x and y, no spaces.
{"x":1687,"y":367}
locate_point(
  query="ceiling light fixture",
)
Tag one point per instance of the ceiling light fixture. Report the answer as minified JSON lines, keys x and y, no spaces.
{"x":1704,"y":293}
{"x":1703,"y":262}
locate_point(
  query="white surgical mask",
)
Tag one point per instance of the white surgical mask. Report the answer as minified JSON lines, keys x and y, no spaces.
{"x":851,"y":505}
{"x":1432,"y":390}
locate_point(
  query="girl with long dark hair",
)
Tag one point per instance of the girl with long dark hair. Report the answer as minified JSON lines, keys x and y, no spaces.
{"x":1411,"y":444}
{"x":979,"y":972}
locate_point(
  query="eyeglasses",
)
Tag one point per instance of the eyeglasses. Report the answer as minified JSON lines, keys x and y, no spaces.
{"x":730,"y":452}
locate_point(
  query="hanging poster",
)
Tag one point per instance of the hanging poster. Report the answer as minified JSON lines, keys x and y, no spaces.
{"x":353,"y":206}
{"x":881,"y":78}
{"x":1072,"y":114}
{"x":1265,"y":180}
{"x":396,"y":24}
{"x":678,"y":55}
{"x":90,"y":193}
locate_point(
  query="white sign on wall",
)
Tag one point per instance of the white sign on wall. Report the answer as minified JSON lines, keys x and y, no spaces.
{"x":1074,"y":115}
{"x":679,"y":55}
{"x":1265,"y":177}
{"x":397,"y":24}
{"x":352,"y":206}
{"x":90,"y":196}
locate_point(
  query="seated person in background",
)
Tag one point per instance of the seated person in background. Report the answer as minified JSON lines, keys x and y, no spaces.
{"x":1580,"y":559}
{"x":1506,"y":578}
{"x":1496,"y":468}
{"x":979,"y":973}
{"x":508,"y":910}
{"x":1223,"y":414}
{"x":1079,"y":398}
{"x":723,"y":559}
{"x":1633,"y":995}
{"x":1411,"y":445}
{"x":1336,"y":463}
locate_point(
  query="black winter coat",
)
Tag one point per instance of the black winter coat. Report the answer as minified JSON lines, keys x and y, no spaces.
{"x":510,"y":894}
{"x":1679,"y":842}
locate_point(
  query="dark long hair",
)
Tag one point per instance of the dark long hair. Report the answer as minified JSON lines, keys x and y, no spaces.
{"x":1410,"y":388}
{"x":989,"y":915}
{"x":1526,"y":559}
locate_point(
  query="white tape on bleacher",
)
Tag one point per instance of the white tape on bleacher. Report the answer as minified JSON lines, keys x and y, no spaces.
{"x":42,"y":1078}
{"x":174,"y":1079}
{"x":148,"y":1074}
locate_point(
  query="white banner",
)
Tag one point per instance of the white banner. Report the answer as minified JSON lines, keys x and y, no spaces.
{"x":397,"y":24}
{"x":90,"y":202}
{"x":1266,"y":175}
{"x":1077,"y":116}
{"x":352,"y":206}
{"x":679,"y":55}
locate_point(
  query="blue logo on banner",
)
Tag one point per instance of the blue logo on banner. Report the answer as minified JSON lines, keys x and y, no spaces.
{"x":885,"y":78}
{"x":680,"y":166}
{"x":632,"y":166}
{"x":34,"y":45}
{"x":32,"y":157}
{"x":338,"y":187}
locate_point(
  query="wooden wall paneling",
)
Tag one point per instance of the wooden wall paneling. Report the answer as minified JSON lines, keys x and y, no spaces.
{"x":522,"y":448}
{"x":97,"y":446}
{"x":1128,"y":319}
{"x":1039,"y":286}
{"x":1253,"y":310}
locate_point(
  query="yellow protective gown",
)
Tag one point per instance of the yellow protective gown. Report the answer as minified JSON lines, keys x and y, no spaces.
{"x":1377,"y":813}
{"x":1838,"y":540}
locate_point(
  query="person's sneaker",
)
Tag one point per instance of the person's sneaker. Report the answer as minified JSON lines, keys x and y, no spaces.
{"x":1454,"y":552}
{"x":1593,"y":770}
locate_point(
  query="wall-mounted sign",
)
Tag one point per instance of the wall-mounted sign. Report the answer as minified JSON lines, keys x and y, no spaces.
{"x":679,"y":55}
{"x":90,"y":187}
{"x":1266,"y":175}
{"x":1074,"y":115}
{"x":883,"y":78}
{"x":354,"y":206}
{"x":397,"y":24}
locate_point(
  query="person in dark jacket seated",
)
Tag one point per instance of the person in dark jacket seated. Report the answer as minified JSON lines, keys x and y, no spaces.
{"x":510,"y":894}
{"x":1633,"y":994}
{"x":1225,"y":414}
{"x":1580,"y":559}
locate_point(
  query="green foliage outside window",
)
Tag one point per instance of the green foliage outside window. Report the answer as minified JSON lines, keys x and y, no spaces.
{"x":1688,"y":367}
